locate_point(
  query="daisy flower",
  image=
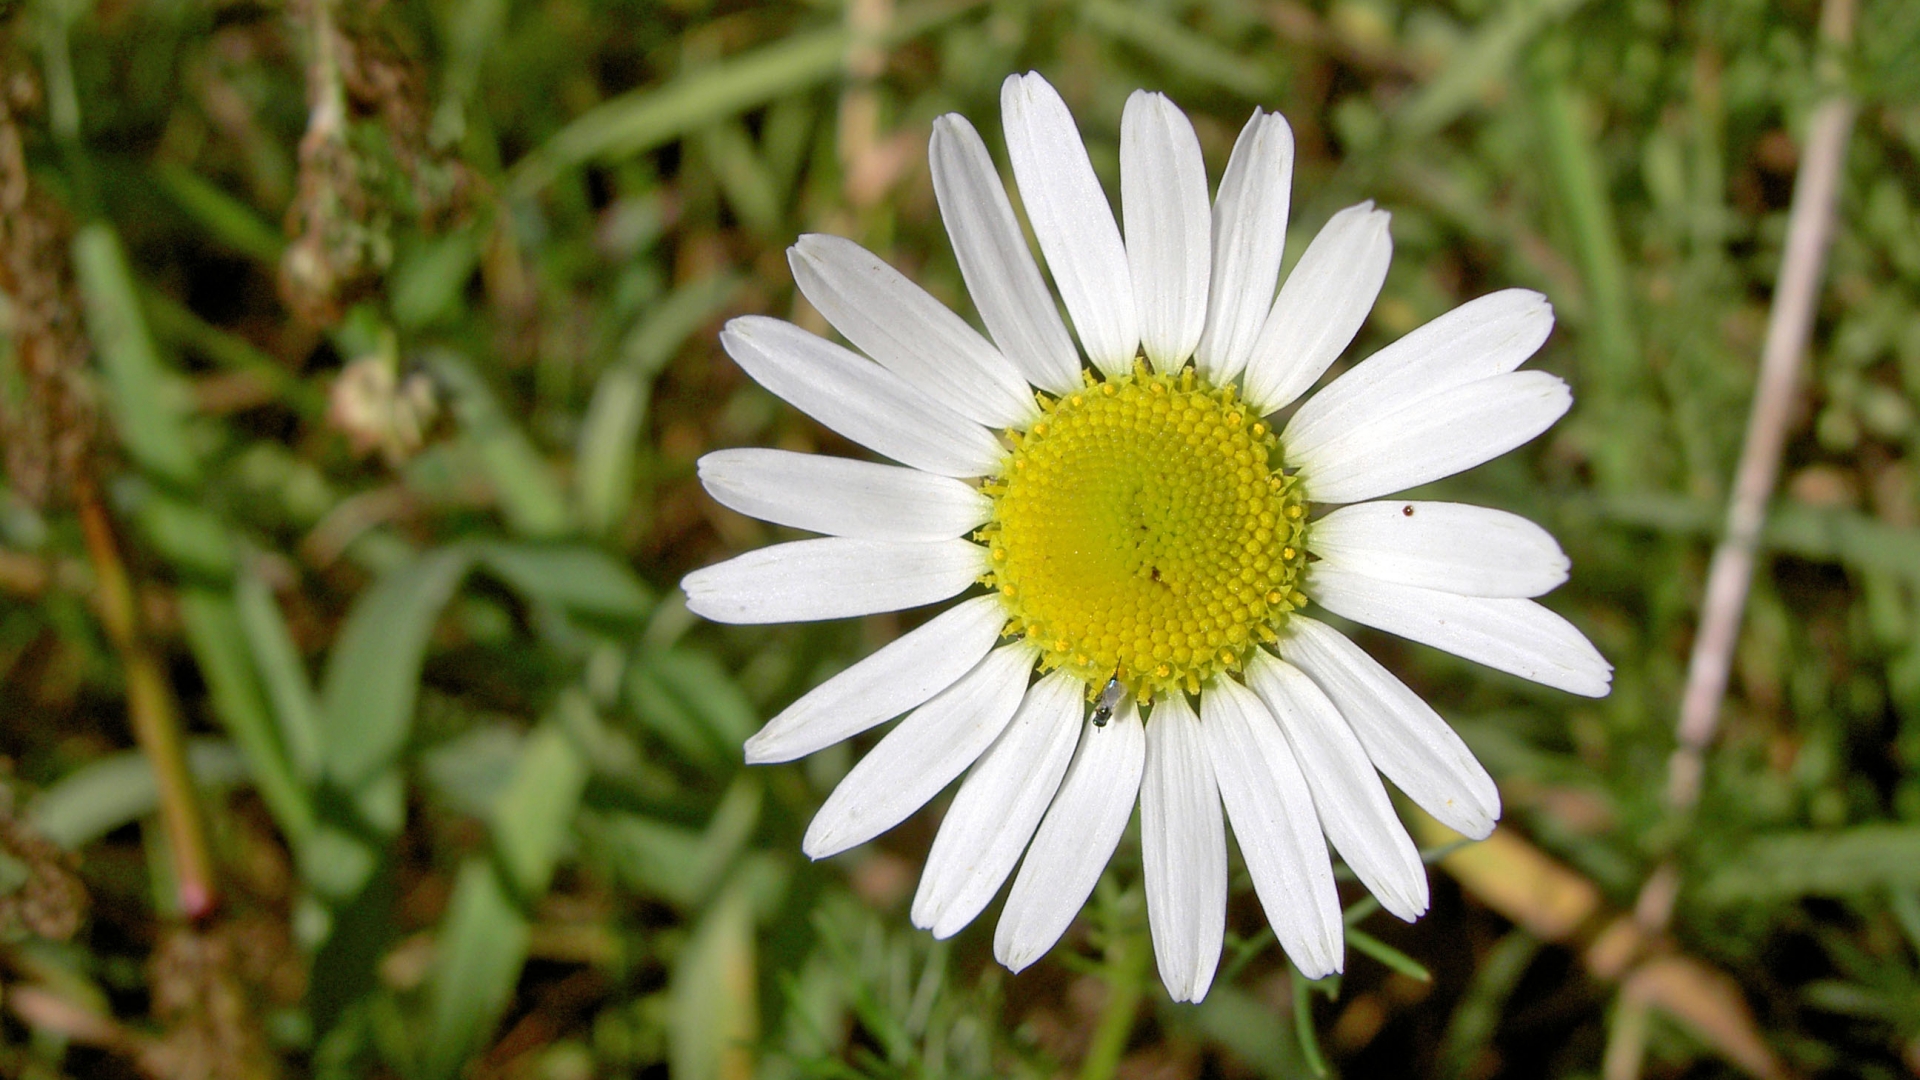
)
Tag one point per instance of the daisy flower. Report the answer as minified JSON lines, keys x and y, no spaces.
{"x":1143,"y":540}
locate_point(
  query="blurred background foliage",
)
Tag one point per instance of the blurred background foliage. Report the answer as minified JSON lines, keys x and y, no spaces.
{"x":356,"y":360}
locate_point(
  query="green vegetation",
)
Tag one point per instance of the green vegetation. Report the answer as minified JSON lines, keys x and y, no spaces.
{"x":355,"y":363}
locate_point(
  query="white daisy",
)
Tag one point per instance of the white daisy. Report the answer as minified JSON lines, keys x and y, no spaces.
{"x":1140,"y":526}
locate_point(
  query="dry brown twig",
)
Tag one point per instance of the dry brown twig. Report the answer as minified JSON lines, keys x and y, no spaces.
{"x":1730,"y":574}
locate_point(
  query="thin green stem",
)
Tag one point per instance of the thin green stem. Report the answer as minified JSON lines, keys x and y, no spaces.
{"x":1303,"y":1032}
{"x":1125,"y":973}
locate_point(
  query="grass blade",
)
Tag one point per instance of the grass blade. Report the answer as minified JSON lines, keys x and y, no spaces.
{"x":373,"y":674}
{"x":482,"y":945}
{"x":148,"y":405}
{"x":578,"y":578}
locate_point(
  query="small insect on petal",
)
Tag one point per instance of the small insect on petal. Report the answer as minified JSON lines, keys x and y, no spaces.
{"x":1109,"y":701}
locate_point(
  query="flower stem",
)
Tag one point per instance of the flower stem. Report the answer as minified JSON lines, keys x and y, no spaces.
{"x":1125,"y":972}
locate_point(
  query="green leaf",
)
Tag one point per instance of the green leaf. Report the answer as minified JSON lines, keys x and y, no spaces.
{"x":147,"y":403}
{"x":188,"y":534}
{"x":638,"y":121}
{"x":429,"y":280}
{"x":689,"y":700}
{"x":373,"y":673}
{"x":119,"y":789}
{"x":609,"y":439}
{"x":1482,"y":60}
{"x":277,"y":660}
{"x":1245,"y":1025}
{"x":177,"y":325}
{"x":219,"y":644}
{"x":533,"y":819}
{"x":227,"y":219}
{"x":528,"y":491}
{"x":1180,"y":49}
{"x":1842,"y":862}
{"x":576,"y":577}
{"x":1387,"y":954}
{"x":713,"y":1020}
{"x":470,"y":770}
{"x":482,"y":945}
{"x":681,"y":865}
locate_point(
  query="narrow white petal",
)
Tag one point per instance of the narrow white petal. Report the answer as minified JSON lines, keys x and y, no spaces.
{"x":1249,"y":238}
{"x":1354,"y":808}
{"x":840,"y":497}
{"x":910,"y":333}
{"x":1480,"y":338}
{"x":1163,"y":200}
{"x":860,"y":399}
{"x":1470,"y":550}
{"x":1447,"y":433}
{"x":1075,"y":839}
{"x":1004,"y":281}
{"x":902,"y":674}
{"x":1274,"y":820}
{"x":1511,"y":635}
{"x":999,"y":806}
{"x":934,"y":744}
{"x":1406,"y":739}
{"x":1183,"y":851}
{"x":1072,"y":220}
{"x":832,"y":578}
{"x":1323,"y":304}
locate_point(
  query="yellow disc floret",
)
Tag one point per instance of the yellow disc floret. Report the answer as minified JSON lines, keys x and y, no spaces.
{"x":1144,"y":529}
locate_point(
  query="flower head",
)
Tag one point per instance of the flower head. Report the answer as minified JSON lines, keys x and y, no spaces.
{"x":1146,"y":540}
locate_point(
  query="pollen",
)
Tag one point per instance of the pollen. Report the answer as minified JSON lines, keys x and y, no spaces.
{"x":1146,"y":531}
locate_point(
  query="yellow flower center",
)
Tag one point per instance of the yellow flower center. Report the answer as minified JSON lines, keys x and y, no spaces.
{"x":1144,"y":530}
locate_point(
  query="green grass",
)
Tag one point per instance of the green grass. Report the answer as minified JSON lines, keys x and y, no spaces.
{"x":470,"y":772}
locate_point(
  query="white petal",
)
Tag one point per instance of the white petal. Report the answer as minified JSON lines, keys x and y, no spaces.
{"x":1163,"y":199}
{"x":934,"y":744}
{"x":910,"y":333}
{"x":833,"y":578}
{"x":1515,"y":636}
{"x":1450,"y":432}
{"x":1406,"y":739}
{"x":1488,"y":336}
{"x":1071,"y":219}
{"x":840,"y":497}
{"x":902,"y":674}
{"x":1249,"y":238}
{"x":1183,"y":851}
{"x":1075,"y":840}
{"x":1470,"y":550}
{"x":1274,"y":820}
{"x":1354,"y":808}
{"x":860,"y":399}
{"x":1323,"y":304}
{"x":999,"y":806}
{"x":1001,"y":276}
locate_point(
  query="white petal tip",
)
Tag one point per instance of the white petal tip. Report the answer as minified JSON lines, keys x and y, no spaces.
{"x":1473,"y":829}
{"x":1407,"y":907}
{"x":768,"y":752}
{"x":1317,"y":968}
{"x":1017,"y":960}
{"x":816,"y":845}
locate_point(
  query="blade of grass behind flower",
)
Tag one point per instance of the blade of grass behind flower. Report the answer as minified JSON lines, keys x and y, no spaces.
{"x":373,"y":673}
{"x":640,"y":120}
{"x":219,"y":644}
{"x":147,"y":402}
{"x":610,"y":434}
{"x":1191,"y":54}
{"x":1483,"y":59}
{"x":713,"y":998}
